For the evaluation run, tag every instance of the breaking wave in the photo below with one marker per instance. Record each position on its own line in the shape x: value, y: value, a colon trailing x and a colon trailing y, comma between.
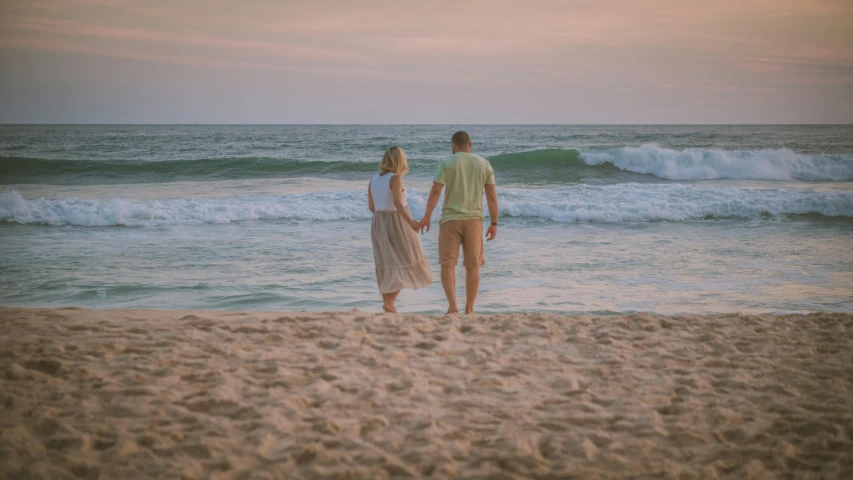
x: 627, y: 202
x: 552, y: 166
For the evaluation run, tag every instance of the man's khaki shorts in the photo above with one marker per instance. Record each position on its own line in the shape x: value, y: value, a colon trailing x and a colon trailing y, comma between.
x: 468, y: 234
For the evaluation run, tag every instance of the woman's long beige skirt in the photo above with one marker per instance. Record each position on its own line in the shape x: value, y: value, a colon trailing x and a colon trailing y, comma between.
x: 398, y: 253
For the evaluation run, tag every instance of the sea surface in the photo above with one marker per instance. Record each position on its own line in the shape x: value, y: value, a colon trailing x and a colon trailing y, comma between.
x: 594, y: 219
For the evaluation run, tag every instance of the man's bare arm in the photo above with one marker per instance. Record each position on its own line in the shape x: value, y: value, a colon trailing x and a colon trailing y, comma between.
x: 492, y: 200
x: 434, y: 195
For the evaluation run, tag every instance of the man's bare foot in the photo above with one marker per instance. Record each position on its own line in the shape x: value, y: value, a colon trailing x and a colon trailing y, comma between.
x: 452, y: 310
x: 388, y: 309
x: 469, y: 311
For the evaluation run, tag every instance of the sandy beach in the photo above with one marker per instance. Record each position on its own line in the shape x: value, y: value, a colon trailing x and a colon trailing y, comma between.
x: 201, y: 394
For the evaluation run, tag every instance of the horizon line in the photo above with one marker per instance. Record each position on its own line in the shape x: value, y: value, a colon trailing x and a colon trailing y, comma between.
x: 421, y: 124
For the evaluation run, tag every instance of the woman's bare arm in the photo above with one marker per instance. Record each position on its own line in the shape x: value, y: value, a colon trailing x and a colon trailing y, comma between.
x: 397, y: 194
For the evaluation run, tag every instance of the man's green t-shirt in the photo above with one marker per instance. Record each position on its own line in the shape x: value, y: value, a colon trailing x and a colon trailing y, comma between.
x: 464, y: 176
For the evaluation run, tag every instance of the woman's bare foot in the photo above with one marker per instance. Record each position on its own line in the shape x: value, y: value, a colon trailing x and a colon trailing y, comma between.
x: 452, y: 310
x: 388, y: 301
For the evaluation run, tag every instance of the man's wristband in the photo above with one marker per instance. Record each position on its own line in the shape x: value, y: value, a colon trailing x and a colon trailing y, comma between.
x: 494, y: 224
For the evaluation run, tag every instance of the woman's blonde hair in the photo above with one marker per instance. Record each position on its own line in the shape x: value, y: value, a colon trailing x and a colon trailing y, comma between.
x: 394, y: 161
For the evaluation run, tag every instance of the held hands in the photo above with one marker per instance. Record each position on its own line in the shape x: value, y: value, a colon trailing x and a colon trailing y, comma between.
x: 415, y: 225
x: 491, y: 233
x: 424, y: 224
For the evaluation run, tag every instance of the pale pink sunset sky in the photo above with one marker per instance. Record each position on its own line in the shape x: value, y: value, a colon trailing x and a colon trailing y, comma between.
x: 372, y: 61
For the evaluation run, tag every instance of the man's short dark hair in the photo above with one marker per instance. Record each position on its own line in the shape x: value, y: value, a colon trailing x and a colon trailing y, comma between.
x: 460, y: 139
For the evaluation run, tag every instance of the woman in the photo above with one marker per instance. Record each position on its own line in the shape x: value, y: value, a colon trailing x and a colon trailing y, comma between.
x: 397, y: 250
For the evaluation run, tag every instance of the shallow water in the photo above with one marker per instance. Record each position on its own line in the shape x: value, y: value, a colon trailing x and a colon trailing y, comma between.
x: 594, y: 219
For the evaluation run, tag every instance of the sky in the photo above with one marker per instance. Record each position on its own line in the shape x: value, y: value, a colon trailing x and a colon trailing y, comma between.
x: 414, y: 62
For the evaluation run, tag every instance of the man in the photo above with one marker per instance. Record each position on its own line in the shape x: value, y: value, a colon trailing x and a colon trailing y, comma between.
x: 466, y: 176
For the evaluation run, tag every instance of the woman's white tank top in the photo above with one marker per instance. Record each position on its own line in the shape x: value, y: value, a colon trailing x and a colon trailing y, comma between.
x: 380, y: 188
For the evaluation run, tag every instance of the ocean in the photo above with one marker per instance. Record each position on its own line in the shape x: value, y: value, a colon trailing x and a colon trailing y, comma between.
x: 594, y: 219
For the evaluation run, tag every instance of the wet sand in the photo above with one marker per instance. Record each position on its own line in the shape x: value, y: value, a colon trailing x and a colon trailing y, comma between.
x: 198, y: 394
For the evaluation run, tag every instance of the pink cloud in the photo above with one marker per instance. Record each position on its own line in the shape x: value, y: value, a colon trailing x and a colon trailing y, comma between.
x: 656, y: 39
x: 327, y: 71
x: 250, y: 47
x: 828, y: 79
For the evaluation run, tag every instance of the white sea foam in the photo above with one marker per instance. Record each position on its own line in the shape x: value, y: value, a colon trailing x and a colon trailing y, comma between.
x: 704, y: 164
x: 632, y: 202
x: 325, y: 206
x: 627, y: 202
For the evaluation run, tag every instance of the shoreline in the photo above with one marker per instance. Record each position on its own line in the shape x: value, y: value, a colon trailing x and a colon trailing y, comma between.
x: 435, y: 315
x: 191, y: 393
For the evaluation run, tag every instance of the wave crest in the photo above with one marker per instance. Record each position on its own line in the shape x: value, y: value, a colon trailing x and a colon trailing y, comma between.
x: 705, y: 164
x: 38, y: 170
x: 551, y: 166
x: 629, y: 202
